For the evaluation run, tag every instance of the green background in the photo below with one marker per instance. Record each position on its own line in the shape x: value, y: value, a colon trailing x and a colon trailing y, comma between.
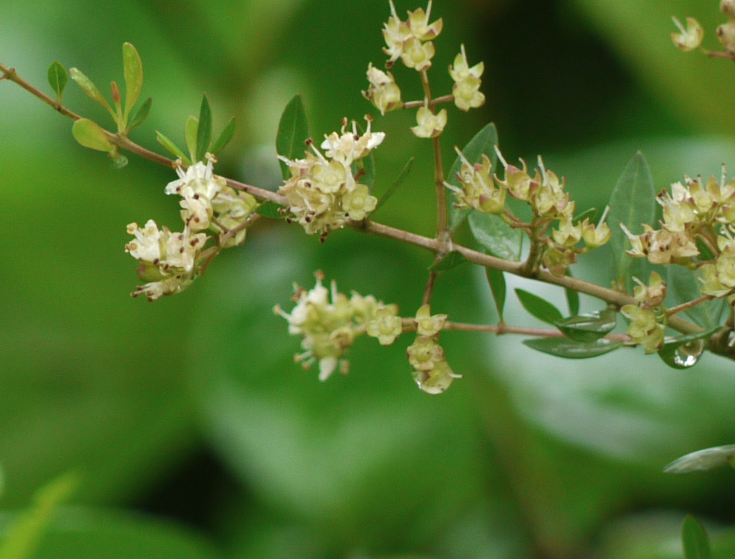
x: 191, y: 410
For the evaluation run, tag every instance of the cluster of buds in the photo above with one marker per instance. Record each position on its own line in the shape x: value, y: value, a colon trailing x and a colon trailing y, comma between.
x: 169, y: 261
x: 693, y: 211
x: 383, y: 92
x: 430, y: 368
x: 323, y: 193
x: 545, y: 194
x: 690, y: 38
x: 647, y: 316
x: 329, y: 322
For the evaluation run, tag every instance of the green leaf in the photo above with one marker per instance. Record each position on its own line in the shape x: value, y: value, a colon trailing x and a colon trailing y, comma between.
x: 58, y: 77
x: 538, y: 307
x: 686, y: 287
x: 91, y: 533
x: 484, y: 142
x: 572, y: 297
x: 450, y: 260
x: 133, y: 68
x: 293, y: 131
x: 684, y: 352
x: 141, y: 114
x: 571, y: 349
x: 589, y: 213
x: 271, y: 210
x: 204, y: 130
x: 496, y: 279
x: 91, y: 135
x: 396, y: 183
x: 496, y: 236
x: 632, y: 203
x: 694, y: 539
x: 191, y: 133
x: 90, y: 89
x: 26, y: 531
x: 588, y: 327
x: 702, y: 460
x: 225, y: 136
x: 172, y: 148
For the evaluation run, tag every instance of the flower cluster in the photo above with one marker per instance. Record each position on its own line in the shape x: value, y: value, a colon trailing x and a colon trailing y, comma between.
x: 169, y: 261
x: 322, y: 193
x: 430, y: 368
x: 544, y: 193
x: 467, y: 83
x: 383, y: 91
x: 329, y: 322
x: 690, y: 38
x: 647, y: 325
x: 411, y: 40
x: 694, y: 212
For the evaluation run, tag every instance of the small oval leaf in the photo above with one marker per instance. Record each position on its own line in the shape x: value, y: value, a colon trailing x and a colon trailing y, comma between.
x: 293, y: 131
x: 499, y: 288
x: 225, y: 136
x: 538, y: 307
x: 58, y: 77
x: 172, y: 148
x: 204, y: 130
x: 91, y: 135
x: 694, y: 539
x: 90, y: 89
x: 702, y: 460
x: 141, y: 114
x: 496, y: 236
x: 588, y: 327
x: 191, y: 128
x: 133, y: 69
x: 571, y: 349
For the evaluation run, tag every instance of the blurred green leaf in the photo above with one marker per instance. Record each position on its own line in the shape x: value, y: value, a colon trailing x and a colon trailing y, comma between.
x: 141, y: 114
x: 88, y: 533
x: 571, y: 349
x: 588, y: 327
x: 632, y: 203
x: 191, y: 134
x: 27, y: 530
x: 90, y: 89
x: 293, y: 131
x: 572, y: 297
x: 172, y: 148
x: 204, y: 130
x: 496, y: 236
x: 702, y: 460
x: 225, y: 136
x: 450, y: 260
x: 496, y: 279
x: 684, y: 351
x: 133, y: 69
x: 483, y: 142
x: 538, y: 307
x: 57, y: 79
x: 396, y: 183
x: 686, y: 287
x: 587, y: 214
x: 694, y: 539
x: 91, y: 135
x: 271, y: 210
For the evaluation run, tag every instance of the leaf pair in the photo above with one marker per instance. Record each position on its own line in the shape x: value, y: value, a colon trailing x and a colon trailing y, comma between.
x: 198, y: 136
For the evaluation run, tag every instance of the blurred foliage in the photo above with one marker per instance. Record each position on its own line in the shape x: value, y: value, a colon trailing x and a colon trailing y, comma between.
x: 527, y: 456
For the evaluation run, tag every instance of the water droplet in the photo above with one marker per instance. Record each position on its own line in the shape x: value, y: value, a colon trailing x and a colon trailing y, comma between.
x: 687, y: 355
